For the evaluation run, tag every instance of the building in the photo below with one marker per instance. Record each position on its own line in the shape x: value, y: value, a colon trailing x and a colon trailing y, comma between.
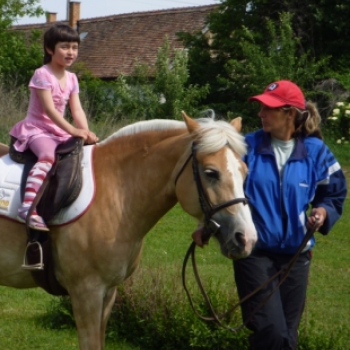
x: 111, y: 45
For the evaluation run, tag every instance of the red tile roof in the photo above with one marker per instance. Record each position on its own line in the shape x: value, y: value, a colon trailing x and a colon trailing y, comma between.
x: 113, y: 43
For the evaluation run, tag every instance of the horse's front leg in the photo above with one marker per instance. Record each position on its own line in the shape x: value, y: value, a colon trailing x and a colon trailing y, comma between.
x: 108, y: 303
x: 87, y: 306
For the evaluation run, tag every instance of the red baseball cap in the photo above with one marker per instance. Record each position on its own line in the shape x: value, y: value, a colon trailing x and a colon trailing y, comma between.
x: 281, y: 93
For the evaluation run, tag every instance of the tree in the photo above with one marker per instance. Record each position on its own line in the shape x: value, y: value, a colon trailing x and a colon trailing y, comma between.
x: 164, y: 95
x: 245, y: 32
x: 19, y: 54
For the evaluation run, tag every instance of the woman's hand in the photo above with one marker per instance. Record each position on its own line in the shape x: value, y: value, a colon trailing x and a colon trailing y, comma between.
x: 316, y: 218
x: 200, y: 237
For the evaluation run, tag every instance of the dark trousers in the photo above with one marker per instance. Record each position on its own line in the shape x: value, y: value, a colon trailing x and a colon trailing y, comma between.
x: 275, y: 325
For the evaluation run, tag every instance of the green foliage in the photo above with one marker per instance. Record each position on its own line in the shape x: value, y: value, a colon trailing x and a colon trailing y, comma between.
x: 166, y: 94
x: 250, y: 59
x: 257, y: 41
x: 277, y: 61
x: 13, y: 108
x: 20, y: 54
x: 149, y: 93
x: 98, y: 96
x: 338, y: 124
x: 11, y: 9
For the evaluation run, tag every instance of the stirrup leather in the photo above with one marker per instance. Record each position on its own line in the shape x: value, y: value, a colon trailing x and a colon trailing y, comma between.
x: 36, y: 266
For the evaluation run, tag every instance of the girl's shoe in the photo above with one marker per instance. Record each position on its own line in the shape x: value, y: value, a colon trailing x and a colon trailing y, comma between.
x: 35, y: 222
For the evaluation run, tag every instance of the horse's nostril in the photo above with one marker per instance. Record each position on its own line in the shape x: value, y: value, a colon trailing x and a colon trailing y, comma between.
x: 240, y: 238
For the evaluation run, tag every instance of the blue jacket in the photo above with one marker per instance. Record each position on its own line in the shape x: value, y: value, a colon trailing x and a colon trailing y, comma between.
x: 311, y: 176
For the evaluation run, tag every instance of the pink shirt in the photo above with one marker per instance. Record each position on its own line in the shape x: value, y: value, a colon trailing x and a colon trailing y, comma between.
x: 37, y: 123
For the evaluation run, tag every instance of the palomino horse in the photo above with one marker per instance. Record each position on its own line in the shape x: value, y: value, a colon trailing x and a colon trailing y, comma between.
x: 141, y: 171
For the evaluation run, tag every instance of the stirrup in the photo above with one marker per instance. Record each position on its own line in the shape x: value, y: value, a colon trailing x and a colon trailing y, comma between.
x: 36, y: 266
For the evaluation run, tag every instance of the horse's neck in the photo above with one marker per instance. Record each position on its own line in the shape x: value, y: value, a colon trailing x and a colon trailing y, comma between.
x: 141, y: 175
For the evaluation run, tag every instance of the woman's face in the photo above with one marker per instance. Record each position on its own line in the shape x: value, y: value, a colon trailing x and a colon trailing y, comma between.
x: 277, y: 121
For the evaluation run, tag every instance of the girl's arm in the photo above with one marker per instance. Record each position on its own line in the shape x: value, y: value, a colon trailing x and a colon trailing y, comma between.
x: 46, y: 100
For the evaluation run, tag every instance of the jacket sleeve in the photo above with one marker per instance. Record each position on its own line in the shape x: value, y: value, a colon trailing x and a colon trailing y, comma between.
x: 331, y: 190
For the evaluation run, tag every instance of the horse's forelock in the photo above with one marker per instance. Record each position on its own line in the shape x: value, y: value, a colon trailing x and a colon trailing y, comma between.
x: 214, y: 135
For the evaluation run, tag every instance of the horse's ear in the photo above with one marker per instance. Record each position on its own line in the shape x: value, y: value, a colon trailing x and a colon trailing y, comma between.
x: 191, y: 124
x: 237, y: 123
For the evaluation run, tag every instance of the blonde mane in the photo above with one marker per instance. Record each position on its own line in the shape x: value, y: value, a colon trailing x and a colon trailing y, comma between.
x: 211, y: 136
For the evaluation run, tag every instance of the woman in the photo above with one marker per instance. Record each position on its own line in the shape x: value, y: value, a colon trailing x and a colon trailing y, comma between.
x: 290, y: 169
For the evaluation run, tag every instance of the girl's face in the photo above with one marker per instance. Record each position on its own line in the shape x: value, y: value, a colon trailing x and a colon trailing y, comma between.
x: 65, y: 53
x: 276, y: 121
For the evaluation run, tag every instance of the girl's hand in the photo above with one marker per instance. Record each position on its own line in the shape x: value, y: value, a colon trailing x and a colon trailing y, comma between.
x: 92, y: 138
x: 80, y: 133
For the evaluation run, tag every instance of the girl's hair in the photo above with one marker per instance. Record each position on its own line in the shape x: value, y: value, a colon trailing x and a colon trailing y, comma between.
x: 59, y: 32
x: 307, y: 122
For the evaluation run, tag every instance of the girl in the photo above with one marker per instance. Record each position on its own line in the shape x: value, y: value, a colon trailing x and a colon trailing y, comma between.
x: 44, y: 127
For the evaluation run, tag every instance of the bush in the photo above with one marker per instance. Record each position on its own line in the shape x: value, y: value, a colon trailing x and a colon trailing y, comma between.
x: 164, y: 95
x: 13, y: 107
x: 338, y: 124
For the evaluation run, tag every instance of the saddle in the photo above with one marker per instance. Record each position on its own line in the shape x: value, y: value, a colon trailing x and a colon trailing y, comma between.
x: 64, y: 180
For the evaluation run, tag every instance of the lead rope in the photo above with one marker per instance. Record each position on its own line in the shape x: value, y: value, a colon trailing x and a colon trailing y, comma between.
x: 217, y: 318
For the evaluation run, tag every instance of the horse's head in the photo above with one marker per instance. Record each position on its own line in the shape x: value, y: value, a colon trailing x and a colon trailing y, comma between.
x: 217, y: 198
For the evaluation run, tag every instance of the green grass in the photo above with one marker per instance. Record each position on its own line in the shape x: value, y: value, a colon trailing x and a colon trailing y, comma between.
x: 24, y: 324
x: 21, y: 326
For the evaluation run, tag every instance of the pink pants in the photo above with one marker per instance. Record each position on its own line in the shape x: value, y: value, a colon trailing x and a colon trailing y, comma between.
x: 44, y: 148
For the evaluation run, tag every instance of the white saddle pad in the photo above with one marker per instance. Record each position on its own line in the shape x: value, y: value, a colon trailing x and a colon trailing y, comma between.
x: 10, y: 183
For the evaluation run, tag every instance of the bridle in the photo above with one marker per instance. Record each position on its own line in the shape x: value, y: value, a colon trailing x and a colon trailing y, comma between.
x: 211, y: 227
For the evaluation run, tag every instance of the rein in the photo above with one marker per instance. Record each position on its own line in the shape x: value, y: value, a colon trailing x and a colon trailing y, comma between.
x: 217, y: 318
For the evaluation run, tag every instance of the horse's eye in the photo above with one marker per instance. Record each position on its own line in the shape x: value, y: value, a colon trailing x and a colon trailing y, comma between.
x: 212, y: 174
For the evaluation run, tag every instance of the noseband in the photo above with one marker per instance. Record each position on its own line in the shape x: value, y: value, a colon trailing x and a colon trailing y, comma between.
x: 210, y: 225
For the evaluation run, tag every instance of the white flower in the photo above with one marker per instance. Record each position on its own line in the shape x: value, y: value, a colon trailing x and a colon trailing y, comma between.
x: 347, y: 112
x: 334, y: 118
x: 338, y: 141
x: 343, y: 138
x: 336, y: 111
x: 162, y: 99
x: 339, y: 104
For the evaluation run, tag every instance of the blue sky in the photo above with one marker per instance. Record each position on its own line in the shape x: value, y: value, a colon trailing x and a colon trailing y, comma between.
x: 99, y: 8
